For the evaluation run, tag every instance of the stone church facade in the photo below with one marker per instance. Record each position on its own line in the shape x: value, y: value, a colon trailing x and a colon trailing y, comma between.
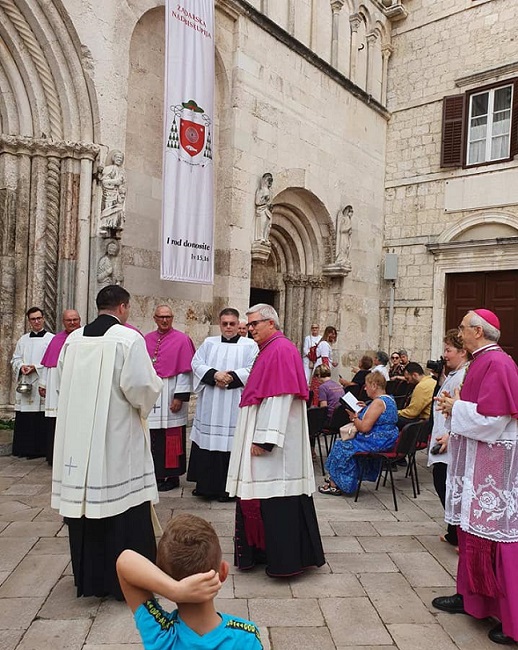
x: 340, y: 101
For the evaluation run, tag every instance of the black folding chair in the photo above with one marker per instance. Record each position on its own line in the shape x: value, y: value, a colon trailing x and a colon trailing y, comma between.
x: 422, y: 442
x: 404, y: 448
x: 331, y: 430
x: 317, y: 417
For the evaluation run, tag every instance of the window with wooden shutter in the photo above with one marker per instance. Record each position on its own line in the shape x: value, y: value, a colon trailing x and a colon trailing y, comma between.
x: 514, y: 121
x: 452, y: 131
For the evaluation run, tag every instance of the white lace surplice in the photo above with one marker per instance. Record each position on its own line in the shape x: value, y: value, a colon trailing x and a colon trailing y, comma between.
x: 482, y: 482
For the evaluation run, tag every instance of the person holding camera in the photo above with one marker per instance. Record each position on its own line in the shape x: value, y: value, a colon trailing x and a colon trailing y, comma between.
x: 455, y: 363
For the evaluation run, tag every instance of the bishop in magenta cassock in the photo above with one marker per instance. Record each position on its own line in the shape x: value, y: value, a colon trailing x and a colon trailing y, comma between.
x: 482, y: 480
x: 48, y: 388
x: 271, y: 469
x: 171, y: 353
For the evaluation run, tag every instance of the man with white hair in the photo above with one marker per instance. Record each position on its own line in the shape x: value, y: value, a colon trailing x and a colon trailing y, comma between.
x: 271, y: 470
x: 482, y: 481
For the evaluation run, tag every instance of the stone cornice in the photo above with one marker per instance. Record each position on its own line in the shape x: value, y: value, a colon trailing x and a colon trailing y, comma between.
x: 474, y: 245
x: 20, y: 145
x: 243, y: 8
x: 488, y: 75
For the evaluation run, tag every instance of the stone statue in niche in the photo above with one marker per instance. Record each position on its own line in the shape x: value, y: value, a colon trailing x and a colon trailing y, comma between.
x: 113, y: 185
x: 263, y: 209
x: 109, y: 269
x: 344, y: 229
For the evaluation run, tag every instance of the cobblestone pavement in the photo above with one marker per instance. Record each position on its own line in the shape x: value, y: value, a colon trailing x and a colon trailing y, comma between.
x: 383, y: 569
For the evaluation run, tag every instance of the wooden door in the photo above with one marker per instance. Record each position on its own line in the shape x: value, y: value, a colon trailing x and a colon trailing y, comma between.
x: 496, y: 290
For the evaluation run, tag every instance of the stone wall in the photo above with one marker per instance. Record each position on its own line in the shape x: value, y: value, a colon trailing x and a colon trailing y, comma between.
x: 442, y: 48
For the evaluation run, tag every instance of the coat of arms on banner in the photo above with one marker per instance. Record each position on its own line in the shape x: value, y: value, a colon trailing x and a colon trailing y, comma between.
x: 190, y: 133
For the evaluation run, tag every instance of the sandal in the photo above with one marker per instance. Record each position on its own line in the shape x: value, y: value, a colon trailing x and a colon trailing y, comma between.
x: 330, y: 489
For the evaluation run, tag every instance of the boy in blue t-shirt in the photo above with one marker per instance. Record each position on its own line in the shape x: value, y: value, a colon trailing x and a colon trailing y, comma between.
x: 188, y: 563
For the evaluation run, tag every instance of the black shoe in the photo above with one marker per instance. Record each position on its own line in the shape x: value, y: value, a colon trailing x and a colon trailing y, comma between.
x: 402, y: 462
x: 164, y: 485
x: 451, y: 604
x: 196, y: 493
x: 497, y: 636
x: 225, y: 498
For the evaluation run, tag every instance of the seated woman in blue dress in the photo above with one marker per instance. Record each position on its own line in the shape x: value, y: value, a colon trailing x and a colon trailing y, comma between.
x: 373, y: 429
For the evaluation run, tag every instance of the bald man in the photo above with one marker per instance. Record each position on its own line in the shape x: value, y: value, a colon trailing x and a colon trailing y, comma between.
x: 47, y: 388
x: 171, y: 353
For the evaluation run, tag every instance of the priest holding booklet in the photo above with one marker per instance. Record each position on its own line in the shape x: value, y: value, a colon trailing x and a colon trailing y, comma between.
x: 373, y: 428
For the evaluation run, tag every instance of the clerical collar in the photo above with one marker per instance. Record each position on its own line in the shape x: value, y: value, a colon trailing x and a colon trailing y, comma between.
x: 37, y: 335
x: 486, y: 348
x: 234, y: 339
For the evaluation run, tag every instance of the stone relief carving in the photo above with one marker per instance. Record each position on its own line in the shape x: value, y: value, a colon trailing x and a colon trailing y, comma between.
x: 113, y: 185
x: 263, y: 209
x: 109, y: 269
x: 22, y: 144
x: 261, y: 246
x: 344, y: 228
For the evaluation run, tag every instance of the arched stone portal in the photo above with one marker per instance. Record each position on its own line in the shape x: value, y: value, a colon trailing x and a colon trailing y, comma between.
x: 48, y: 117
x: 302, y: 242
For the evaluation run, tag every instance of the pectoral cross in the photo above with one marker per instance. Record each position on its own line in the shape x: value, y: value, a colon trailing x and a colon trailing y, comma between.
x: 70, y: 466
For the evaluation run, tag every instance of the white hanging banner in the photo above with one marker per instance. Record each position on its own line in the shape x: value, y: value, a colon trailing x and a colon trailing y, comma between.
x: 188, y: 179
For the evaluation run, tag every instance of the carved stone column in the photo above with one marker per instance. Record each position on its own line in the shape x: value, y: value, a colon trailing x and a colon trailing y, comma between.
x: 371, y: 42
x: 386, y: 51
x: 355, y: 21
x: 291, y: 17
x: 336, y: 6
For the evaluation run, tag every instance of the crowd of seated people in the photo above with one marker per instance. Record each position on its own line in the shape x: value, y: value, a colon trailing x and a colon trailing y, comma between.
x: 372, y: 429
x: 412, y: 388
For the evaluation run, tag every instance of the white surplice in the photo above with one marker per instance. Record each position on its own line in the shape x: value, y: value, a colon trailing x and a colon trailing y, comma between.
x: 285, y: 471
x: 29, y: 351
x: 49, y: 381
x: 161, y: 416
x: 102, y: 456
x: 309, y: 342
x: 217, y: 408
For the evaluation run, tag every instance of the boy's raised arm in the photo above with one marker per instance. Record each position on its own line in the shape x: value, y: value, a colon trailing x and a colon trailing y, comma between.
x: 140, y: 579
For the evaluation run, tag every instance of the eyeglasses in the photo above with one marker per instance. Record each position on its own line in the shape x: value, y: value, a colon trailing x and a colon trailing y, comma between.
x: 253, y: 324
x: 394, y: 357
x: 36, y: 318
x: 164, y: 317
x: 461, y: 328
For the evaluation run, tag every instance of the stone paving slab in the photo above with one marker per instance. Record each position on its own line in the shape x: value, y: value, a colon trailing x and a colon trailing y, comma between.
x: 282, y: 612
x: 394, y: 599
x: 424, y: 637
x: 36, y: 575
x: 12, y: 551
x: 296, y: 638
x: 354, y: 621
x: 374, y: 592
x: 63, y: 604
x: 55, y: 635
x: 18, y: 613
